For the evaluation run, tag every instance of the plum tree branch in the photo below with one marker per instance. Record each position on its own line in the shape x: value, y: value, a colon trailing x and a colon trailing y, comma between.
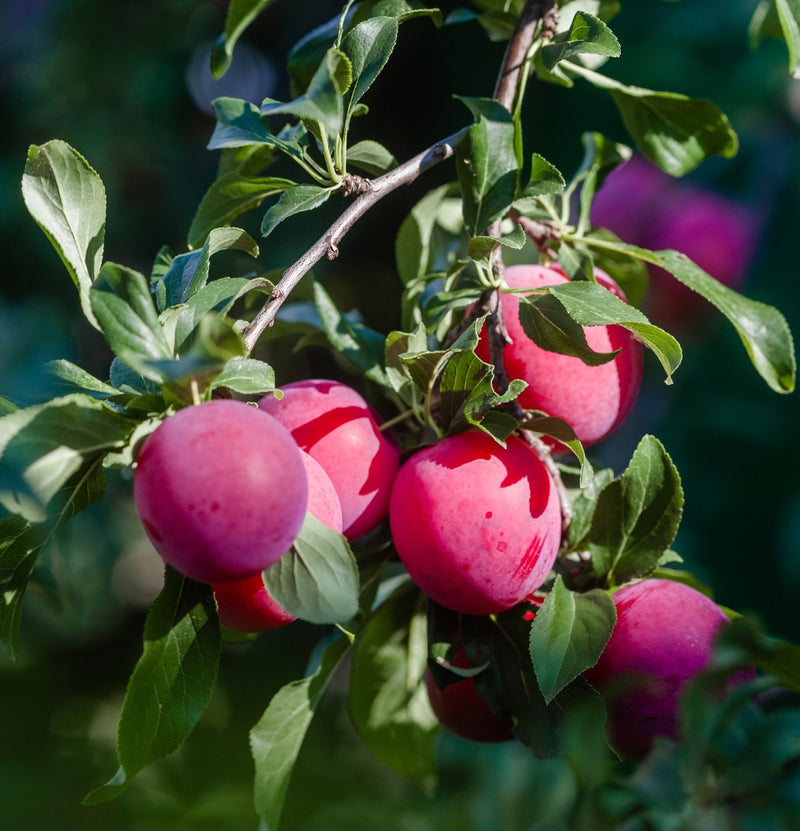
x: 369, y: 192
x: 328, y: 244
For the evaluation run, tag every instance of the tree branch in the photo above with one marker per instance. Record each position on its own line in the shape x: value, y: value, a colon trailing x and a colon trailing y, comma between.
x: 328, y: 244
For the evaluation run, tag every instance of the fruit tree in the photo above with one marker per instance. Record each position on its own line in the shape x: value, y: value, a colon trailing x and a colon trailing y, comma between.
x: 436, y: 503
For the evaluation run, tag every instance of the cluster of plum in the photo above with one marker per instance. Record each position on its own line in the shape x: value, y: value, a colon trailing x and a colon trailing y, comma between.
x: 222, y: 489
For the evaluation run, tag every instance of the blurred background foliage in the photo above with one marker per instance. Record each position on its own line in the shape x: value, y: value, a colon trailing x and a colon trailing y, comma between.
x: 127, y: 85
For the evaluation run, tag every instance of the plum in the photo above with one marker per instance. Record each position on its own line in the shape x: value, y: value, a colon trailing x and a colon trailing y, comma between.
x: 221, y: 490
x: 335, y: 425
x: 477, y: 525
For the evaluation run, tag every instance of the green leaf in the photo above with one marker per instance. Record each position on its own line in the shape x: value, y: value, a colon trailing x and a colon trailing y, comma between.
x: 590, y: 304
x: 217, y: 296
x: 368, y: 45
x: 548, y: 324
x: 637, y: 515
x: 189, y: 272
x: 293, y: 201
x: 789, y: 16
x: 568, y: 634
x: 763, y: 330
x: 361, y: 346
x: 371, y: 157
x: 387, y: 697
x: 67, y: 199
x: 239, y: 124
x: 213, y: 343
x: 123, y: 305
x: 545, y: 180
x: 480, y: 248
x: 276, y: 739
x: 241, y: 13
x: 44, y: 446
x: 584, y: 501
x: 402, y: 10
x: 172, y: 683
x: 398, y: 344
x: 586, y: 35
x: 21, y: 543
x: 317, y: 579
x: 231, y: 195
x: 600, y: 157
x: 322, y: 101
x: 487, y: 165
x: 413, y: 245
x: 77, y: 377
x: 247, y: 376
x: 674, y: 131
x: 774, y: 656
x: 561, y: 431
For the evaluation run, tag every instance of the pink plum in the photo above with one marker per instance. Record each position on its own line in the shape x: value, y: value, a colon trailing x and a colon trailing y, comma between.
x: 335, y: 425
x: 476, y: 525
x: 460, y: 708
x: 221, y: 490
x: 593, y: 400
x: 246, y: 605
x: 664, y: 636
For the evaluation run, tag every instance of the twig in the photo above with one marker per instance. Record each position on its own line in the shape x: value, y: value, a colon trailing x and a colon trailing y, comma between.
x: 328, y: 244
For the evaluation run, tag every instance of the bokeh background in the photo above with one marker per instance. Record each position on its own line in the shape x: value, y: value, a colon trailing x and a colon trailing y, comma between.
x: 127, y: 85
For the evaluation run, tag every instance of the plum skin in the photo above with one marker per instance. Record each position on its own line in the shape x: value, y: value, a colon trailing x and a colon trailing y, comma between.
x: 246, y: 605
x: 335, y: 425
x: 663, y: 637
x: 593, y: 400
x: 460, y: 708
x: 476, y: 525
x: 221, y: 490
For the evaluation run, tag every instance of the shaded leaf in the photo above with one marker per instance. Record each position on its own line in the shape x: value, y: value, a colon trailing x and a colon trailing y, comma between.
x: 44, y: 446
x: 171, y: 685
x: 276, y: 739
x: 387, y: 697
x: 361, y: 346
x: 241, y: 13
x: 21, y: 542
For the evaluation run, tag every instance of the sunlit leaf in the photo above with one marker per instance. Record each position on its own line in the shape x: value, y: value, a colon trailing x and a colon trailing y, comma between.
x: 67, y: 199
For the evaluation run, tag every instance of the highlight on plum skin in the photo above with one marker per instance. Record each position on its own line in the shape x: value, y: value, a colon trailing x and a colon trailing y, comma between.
x: 221, y: 490
x: 663, y: 637
x: 334, y: 424
x: 593, y: 400
x: 476, y: 525
x: 246, y: 605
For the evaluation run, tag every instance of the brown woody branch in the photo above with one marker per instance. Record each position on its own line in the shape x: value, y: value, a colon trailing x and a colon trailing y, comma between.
x: 328, y: 244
